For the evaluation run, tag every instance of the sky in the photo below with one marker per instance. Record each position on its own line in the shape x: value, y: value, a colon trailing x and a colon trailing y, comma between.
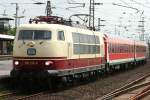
x: 121, y: 19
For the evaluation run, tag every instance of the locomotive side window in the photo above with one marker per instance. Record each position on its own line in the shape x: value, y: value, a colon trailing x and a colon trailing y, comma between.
x: 97, y: 49
x: 85, y: 44
x: 61, y: 35
x: 97, y: 40
x: 92, y: 39
x: 34, y: 35
x: 76, y: 49
x: 82, y: 40
x: 75, y: 37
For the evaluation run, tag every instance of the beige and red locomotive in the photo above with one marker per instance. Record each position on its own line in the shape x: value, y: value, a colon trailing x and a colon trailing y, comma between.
x: 59, y: 49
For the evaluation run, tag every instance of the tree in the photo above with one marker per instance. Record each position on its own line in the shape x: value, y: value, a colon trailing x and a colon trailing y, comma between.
x: 12, y: 31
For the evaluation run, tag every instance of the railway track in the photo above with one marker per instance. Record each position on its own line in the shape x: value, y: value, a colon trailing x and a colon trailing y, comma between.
x: 91, y: 90
x: 44, y: 95
x: 141, y: 94
x: 129, y: 87
x: 132, y: 86
x: 56, y: 96
x: 7, y: 94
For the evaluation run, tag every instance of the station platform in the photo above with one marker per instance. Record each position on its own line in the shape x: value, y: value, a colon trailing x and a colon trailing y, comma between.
x: 5, y: 57
x: 5, y: 67
x: 4, y: 73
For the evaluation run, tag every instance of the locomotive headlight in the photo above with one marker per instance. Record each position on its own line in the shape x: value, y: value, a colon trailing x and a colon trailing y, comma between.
x: 16, y: 62
x: 47, y: 63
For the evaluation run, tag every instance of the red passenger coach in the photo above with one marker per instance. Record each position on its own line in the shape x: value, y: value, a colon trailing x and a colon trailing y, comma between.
x: 141, y: 50
x: 120, y: 50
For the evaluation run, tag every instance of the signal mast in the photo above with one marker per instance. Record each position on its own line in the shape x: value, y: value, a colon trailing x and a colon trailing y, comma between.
x: 91, y: 15
x: 48, y: 8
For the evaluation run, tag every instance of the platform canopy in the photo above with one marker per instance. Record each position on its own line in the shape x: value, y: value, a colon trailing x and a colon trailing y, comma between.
x: 6, y: 18
x: 6, y: 37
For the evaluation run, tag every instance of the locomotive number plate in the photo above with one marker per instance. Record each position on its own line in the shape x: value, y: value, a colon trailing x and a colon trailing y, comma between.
x: 31, y: 51
x: 31, y: 62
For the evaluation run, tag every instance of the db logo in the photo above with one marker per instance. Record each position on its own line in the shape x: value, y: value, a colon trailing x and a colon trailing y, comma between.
x: 31, y: 44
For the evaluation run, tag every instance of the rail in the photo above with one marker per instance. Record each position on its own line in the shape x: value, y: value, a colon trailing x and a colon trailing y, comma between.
x: 126, y: 88
x: 7, y: 94
x: 141, y: 94
x: 40, y: 95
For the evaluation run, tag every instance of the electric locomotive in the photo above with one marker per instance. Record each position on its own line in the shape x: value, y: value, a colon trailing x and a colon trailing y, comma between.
x: 56, y: 50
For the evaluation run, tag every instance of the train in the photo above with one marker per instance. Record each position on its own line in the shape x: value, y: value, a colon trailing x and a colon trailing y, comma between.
x: 53, y: 51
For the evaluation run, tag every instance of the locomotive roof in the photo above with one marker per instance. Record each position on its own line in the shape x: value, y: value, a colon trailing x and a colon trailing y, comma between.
x: 39, y: 26
x: 118, y: 39
x: 50, y: 26
x: 45, y: 25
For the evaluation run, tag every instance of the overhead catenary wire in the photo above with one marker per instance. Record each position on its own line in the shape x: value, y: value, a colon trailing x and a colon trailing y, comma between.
x: 126, y: 7
x: 125, y: 3
x: 75, y: 3
x: 141, y: 4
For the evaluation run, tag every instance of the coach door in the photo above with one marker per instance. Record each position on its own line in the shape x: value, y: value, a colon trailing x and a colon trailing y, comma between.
x: 69, y: 49
x: 62, y: 43
x: 105, y: 44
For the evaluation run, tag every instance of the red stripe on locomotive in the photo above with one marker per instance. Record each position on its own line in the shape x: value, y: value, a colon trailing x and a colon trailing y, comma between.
x: 59, y: 64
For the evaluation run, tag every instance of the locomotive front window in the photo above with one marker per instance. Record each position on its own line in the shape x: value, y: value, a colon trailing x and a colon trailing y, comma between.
x: 25, y: 35
x: 42, y: 35
x: 34, y: 35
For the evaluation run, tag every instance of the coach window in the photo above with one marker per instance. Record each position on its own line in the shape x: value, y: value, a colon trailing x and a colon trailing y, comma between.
x: 113, y: 48
x: 132, y: 48
x: 129, y: 49
x: 109, y: 48
x: 61, y: 35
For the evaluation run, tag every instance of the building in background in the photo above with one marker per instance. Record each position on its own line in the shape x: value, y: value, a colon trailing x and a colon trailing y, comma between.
x: 6, y: 40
